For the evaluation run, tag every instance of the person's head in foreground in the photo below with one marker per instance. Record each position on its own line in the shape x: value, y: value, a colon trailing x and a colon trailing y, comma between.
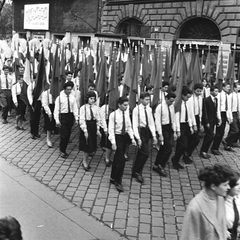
x: 10, y: 229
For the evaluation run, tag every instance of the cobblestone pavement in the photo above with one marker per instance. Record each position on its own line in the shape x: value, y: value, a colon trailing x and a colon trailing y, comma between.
x: 151, y: 211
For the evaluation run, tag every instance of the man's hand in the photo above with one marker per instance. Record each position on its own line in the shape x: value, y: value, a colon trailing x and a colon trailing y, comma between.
x: 155, y: 141
x: 58, y: 125
x: 86, y: 135
x: 114, y: 147
x: 16, y: 104
x: 208, y: 125
x: 191, y: 130
x: 76, y: 122
x: 202, y: 128
x: 139, y: 142
x: 50, y: 116
x: 134, y: 142
x: 219, y: 122
x: 195, y: 128
x: 178, y: 134
x: 175, y: 137
x: 98, y: 133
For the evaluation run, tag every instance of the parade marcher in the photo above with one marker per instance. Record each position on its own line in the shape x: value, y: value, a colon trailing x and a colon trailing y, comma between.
x: 18, y: 102
x: 234, y: 111
x: 166, y: 129
x: 105, y: 143
x: 232, y: 205
x: 224, y: 101
x: 35, y: 112
x: 184, y: 128
x: 92, y: 87
x: 206, y: 89
x: 48, y: 111
x: 210, y: 118
x: 5, y: 87
x: 205, y: 216
x: 196, y: 102
x: 119, y: 128
x: 65, y: 113
x: 143, y: 129
x: 89, y: 128
x: 149, y: 89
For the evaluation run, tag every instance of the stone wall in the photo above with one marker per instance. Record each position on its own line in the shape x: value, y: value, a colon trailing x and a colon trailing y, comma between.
x: 171, y: 15
x: 62, y: 15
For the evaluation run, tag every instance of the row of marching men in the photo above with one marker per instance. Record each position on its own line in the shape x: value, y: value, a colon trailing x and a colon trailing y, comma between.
x: 117, y: 131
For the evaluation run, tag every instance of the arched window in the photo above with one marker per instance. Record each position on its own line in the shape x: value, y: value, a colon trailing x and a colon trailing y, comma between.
x: 200, y: 28
x: 132, y: 27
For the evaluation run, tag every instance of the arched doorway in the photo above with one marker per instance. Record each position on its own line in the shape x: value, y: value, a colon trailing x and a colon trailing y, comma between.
x: 199, y: 35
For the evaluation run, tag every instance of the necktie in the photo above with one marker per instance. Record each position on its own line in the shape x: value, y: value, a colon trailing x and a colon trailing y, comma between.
x: 204, y: 92
x: 123, y: 124
x: 6, y: 82
x: 215, y: 102
x: 236, y: 220
x: 169, y: 115
x: 69, y: 110
x: 146, y: 116
x: 186, y: 112
x: 91, y: 112
x: 226, y: 103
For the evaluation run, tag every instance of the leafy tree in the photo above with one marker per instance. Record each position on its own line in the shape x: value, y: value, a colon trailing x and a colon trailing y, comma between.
x: 6, y: 19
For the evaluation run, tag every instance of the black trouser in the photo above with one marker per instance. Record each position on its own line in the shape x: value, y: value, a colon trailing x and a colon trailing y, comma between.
x: 182, y: 142
x: 119, y: 159
x: 6, y: 109
x: 165, y: 150
x: 233, y: 131
x: 220, y: 132
x: 66, y: 120
x: 194, y: 138
x: 208, y: 138
x: 143, y: 152
x: 35, y: 118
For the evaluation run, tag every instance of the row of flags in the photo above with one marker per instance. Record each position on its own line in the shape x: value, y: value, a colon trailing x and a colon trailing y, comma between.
x: 152, y: 63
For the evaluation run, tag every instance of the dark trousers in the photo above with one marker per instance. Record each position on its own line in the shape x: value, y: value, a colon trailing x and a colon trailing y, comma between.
x: 143, y: 152
x: 194, y: 138
x: 35, y: 118
x: 119, y: 159
x: 165, y: 150
x: 182, y: 142
x: 66, y: 120
x: 233, y: 131
x: 208, y: 138
x: 220, y: 132
x: 6, y: 109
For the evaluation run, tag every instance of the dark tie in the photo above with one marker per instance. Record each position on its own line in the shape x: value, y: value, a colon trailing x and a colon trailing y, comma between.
x: 236, y: 220
x: 215, y: 102
x: 204, y: 92
x: 69, y: 110
x: 7, y: 86
x: 226, y: 103
x: 123, y: 124
x: 186, y: 112
x: 146, y: 116
x: 169, y: 115
x: 91, y: 112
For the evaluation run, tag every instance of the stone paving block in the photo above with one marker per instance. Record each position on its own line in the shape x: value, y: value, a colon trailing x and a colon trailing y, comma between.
x: 132, y: 231
x: 143, y: 236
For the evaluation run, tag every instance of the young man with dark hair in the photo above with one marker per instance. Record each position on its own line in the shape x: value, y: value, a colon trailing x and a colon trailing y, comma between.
x: 65, y: 112
x: 184, y: 128
x: 196, y: 102
x: 143, y: 128
x: 210, y: 118
x: 119, y: 126
x: 234, y: 126
x: 166, y: 129
x: 225, y: 109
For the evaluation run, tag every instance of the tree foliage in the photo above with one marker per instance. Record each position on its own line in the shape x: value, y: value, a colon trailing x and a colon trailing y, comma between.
x: 6, y: 19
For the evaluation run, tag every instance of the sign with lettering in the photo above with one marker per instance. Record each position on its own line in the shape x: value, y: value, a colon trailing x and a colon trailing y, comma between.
x: 36, y: 16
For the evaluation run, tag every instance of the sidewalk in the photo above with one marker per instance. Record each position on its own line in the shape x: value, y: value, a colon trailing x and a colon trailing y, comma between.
x: 42, y: 213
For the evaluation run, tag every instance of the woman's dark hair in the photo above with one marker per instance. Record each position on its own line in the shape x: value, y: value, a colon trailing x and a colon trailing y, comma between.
x: 10, y: 229
x: 89, y: 95
x: 233, y: 180
x: 215, y: 174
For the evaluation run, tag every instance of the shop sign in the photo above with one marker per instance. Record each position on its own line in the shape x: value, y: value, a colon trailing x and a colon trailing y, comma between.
x: 36, y: 16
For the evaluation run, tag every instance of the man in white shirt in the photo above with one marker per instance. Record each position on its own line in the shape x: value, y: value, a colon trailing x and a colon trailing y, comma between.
x: 184, y: 127
x: 166, y: 129
x: 234, y: 128
x: 119, y: 126
x: 5, y: 87
x: 65, y: 113
x: 226, y: 115
x: 196, y: 103
x: 143, y: 128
